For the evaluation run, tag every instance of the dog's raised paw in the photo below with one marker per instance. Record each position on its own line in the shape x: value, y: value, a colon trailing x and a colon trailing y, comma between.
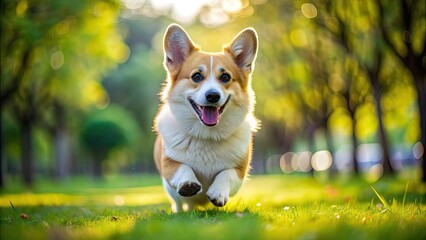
x: 188, y: 189
x: 218, y: 199
x: 218, y: 202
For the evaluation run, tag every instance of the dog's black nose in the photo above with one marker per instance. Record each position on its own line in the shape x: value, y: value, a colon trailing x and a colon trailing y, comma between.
x: 212, y: 96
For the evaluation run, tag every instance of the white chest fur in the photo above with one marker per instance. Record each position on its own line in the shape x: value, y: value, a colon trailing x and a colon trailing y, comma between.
x: 206, y: 157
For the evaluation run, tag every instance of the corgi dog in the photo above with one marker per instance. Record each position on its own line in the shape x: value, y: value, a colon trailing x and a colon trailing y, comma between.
x: 205, y: 122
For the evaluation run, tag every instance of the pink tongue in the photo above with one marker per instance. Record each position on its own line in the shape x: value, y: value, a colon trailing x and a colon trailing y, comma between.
x: 210, y: 115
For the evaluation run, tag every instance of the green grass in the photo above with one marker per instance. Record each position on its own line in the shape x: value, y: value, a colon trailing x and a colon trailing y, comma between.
x: 267, y: 207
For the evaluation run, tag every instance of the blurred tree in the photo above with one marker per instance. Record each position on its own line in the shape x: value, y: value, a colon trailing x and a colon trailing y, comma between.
x: 100, y: 137
x: 136, y: 84
x: 349, y: 34
x: 330, y: 19
x: 46, y: 46
x: 386, y: 25
x: 106, y: 130
x: 402, y: 27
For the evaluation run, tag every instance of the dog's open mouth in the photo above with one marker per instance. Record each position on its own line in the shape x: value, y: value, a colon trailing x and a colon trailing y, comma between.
x: 209, y: 115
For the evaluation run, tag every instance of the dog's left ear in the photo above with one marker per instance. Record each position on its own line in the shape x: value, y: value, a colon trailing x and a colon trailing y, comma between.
x: 244, y: 49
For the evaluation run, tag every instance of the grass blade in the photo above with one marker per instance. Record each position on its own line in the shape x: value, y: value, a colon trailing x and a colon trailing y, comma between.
x: 382, y: 199
x: 405, y: 194
x: 14, y: 209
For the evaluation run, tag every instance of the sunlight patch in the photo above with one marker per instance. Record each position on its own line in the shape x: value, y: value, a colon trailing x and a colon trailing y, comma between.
x: 118, y: 200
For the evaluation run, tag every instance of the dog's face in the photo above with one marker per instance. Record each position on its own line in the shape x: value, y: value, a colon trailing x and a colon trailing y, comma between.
x: 209, y: 93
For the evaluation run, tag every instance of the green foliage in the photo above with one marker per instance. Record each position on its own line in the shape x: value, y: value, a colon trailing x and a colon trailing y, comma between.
x: 109, y: 129
x: 54, y: 54
x: 63, y: 40
x: 102, y: 136
x: 135, y: 85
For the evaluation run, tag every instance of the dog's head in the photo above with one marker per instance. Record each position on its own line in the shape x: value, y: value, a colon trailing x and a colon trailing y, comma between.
x: 209, y: 92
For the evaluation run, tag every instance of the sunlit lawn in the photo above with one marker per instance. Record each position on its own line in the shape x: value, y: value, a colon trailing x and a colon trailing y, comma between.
x: 268, y: 207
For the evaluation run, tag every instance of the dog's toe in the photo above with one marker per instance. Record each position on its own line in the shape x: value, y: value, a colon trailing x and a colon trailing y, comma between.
x: 189, y: 189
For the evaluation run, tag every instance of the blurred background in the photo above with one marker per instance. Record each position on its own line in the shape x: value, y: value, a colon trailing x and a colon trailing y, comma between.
x: 340, y: 85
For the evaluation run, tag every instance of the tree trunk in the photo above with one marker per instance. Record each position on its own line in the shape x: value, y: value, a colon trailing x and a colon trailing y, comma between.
x: 374, y: 79
x: 61, y: 144
x: 281, y: 137
x: 329, y: 144
x: 387, y: 167
x: 3, y: 160
x: 421, y: 101
x: 351, y: 109
x: 61, y: 147
x: 311, y: 129
x: 98, y: 158
x: 27, y: 151
x: 354, y: 143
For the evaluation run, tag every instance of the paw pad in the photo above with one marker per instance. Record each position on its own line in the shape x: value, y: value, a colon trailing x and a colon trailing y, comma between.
x: 189, y: 189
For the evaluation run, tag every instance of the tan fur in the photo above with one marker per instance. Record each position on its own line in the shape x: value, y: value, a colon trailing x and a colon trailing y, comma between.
x: 158, y: 152
x: 244, y: 168
x: 166, y: 166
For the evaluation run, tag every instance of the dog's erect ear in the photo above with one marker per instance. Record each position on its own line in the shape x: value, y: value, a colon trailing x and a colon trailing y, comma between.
x: 177, y: 46
x: 244, y: 49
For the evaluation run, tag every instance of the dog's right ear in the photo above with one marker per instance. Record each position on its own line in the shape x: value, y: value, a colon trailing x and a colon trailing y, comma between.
x: 177, y: 47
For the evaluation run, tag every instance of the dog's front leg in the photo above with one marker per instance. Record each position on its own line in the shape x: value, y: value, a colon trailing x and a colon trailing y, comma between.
x: 226, y: 183
x: 181, y: 178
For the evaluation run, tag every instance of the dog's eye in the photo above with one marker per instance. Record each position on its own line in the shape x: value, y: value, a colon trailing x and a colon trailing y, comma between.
x: 197, y: 77
x: 225, y: 77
